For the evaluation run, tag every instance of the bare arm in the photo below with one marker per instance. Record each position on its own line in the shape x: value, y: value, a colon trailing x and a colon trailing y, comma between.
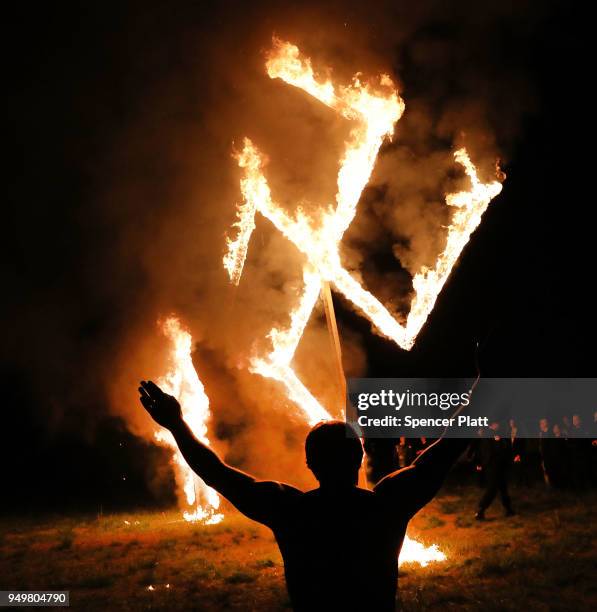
x: 206, y: 464
x: 416, y: 485
x: 259, y: 500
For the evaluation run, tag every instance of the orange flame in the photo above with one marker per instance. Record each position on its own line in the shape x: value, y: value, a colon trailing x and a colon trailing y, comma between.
x: 182, y: 382
x: 375, y: 112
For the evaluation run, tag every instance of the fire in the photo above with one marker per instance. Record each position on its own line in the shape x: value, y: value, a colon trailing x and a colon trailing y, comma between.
x: 277, y: 364
x: 469, y: 207
x: 182, y: 382
x: 374, y: 109
x: 415, y: 552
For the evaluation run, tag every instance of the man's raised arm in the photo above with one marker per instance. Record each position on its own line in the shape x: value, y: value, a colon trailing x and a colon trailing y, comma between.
x: 416, y: 485
x: 259, y: 500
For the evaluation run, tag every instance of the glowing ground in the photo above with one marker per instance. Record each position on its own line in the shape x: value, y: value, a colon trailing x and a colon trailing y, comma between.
x: 543, y: 559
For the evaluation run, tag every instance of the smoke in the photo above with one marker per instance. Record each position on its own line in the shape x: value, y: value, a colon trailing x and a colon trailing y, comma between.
x: 162, y: 98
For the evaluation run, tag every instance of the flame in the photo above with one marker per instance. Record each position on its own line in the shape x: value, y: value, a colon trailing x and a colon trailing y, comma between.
x: 284, y: 61
x: 374, y: 111
x: 277, y: 364
x: 182, y: 381
x: 469, y: 207
x: 415, y: 552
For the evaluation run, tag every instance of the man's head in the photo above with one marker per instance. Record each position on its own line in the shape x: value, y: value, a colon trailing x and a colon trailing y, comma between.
x: 334, y: 453
x: 576, y: 420
x: 544, y: 425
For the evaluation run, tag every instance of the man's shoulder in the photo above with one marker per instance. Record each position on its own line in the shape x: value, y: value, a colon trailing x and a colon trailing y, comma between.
x: 389, y: 485
x: 275, y: 487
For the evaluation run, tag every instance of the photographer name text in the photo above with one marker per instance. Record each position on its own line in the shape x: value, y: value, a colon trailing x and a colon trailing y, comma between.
x: 413, y: 422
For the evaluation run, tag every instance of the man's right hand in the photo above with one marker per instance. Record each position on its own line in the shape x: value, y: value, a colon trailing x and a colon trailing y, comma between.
x: 163, y: 408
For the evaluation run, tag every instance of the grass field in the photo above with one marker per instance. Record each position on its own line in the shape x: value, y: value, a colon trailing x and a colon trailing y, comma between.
x: 542, y: 559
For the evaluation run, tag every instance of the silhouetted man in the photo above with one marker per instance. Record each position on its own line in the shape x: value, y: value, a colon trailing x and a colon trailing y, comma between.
x: 494, y: 453
x: 549, y: 451
x: 519, y: 455
x: 382, y: 458
x: 555, y: 457
x: 580, y: 453
x: 340, y: 543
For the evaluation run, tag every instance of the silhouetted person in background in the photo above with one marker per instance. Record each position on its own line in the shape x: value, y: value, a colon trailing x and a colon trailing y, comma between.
x: 554, y: 450
x: 494, y: 453
x: 577, y: 426
x: 420, y: 445
x: 566, y: 426
x: 406, y: 451
x: 382, y: 458
x: 474, y: 456
x: 519, y: 455
x: 580, y: 453
x: 545, y: 448
x: 340, y: 543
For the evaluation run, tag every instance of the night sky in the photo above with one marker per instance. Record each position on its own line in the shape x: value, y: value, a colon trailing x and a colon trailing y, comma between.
x: 79, y: 77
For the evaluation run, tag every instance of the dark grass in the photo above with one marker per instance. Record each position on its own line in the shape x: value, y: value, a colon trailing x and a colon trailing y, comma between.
x: 542, y: 559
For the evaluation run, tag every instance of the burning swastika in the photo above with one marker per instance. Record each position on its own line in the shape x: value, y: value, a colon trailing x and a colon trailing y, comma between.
x: 374, y: 111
